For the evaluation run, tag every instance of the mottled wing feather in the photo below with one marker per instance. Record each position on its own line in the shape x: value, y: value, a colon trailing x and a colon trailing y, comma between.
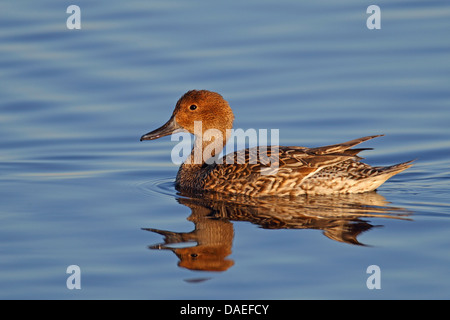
x: 251, y: 170
x: 341, y: 147
x: 299, y: 162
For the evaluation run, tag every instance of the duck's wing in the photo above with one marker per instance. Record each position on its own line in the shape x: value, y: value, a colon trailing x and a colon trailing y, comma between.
x: 342, y: 147
x: 293, y: 157
x: 318, y: 158
x: 255, y: 166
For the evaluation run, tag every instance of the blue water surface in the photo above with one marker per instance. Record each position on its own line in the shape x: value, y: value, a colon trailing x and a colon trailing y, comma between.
x: 77, y: 187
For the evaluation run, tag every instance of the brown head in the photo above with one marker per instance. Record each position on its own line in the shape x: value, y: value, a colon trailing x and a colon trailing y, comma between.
x: 197, y: 105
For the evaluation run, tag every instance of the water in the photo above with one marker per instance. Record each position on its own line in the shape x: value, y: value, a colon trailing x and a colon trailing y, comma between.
x: 78, y: 188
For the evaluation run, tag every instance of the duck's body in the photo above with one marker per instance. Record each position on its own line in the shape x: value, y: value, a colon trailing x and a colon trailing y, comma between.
x: 300, y: 171
x: 324, y: 170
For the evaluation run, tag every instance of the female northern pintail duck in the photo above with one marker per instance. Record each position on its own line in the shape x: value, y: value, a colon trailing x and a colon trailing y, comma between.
x: 299, y: 170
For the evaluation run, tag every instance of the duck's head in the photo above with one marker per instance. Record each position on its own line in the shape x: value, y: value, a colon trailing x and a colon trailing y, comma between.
x: 196, y: 105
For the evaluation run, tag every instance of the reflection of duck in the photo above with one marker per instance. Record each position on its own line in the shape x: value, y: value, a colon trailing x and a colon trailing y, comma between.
x: 209, y: 244
x: 286, y: 171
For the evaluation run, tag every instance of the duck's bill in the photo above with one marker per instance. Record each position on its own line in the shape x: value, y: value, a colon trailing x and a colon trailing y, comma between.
x: 170, y: 127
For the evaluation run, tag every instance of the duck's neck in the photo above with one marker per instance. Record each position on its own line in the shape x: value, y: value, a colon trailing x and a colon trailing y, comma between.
x: 207, y: 148
x: 193, y: 171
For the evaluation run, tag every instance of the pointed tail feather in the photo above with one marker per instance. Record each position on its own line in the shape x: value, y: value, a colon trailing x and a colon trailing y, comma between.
x: 396, y: 168
x: 380, y: 175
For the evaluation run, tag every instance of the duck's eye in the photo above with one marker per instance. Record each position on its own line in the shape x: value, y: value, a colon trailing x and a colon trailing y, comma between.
x: 193, y: 107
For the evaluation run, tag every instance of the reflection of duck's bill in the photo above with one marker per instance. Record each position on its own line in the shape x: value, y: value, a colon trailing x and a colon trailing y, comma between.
x: 161, y: 246
x: 173, y: 240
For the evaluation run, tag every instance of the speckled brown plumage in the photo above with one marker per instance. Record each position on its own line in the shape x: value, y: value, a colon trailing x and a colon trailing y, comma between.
x: 324, y: 170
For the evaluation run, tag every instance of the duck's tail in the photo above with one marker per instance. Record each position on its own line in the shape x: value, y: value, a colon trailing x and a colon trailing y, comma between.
x: 381, y: 175
x: 393, y: 170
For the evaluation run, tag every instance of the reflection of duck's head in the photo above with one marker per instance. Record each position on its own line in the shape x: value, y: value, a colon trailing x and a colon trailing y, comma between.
x: 212, y: 238
x: 205, y: 258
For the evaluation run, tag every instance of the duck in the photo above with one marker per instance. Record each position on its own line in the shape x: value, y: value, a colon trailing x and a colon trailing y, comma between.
x: 294, y: 170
